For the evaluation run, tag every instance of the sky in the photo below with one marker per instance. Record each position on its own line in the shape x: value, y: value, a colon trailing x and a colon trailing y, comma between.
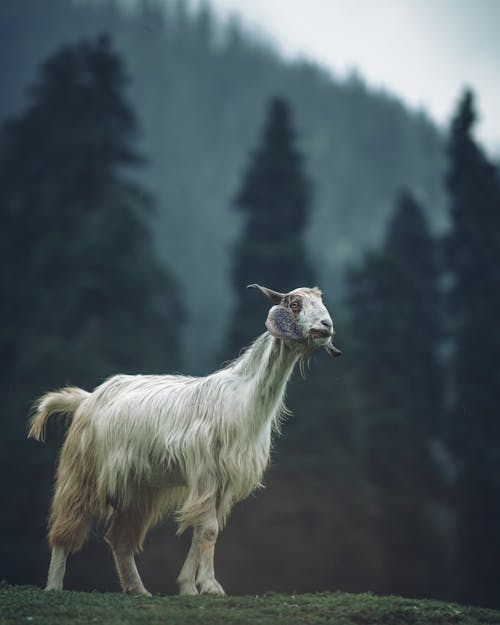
x: 423, y: 51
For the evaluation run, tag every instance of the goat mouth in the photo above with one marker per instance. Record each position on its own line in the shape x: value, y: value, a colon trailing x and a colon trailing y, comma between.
x: 320, y: 334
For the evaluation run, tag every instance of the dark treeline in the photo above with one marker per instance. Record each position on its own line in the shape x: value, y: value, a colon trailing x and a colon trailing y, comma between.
x: 199, y: 88
x: 253, y: 171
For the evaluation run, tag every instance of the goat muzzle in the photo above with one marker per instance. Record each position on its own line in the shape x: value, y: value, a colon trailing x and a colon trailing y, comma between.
x: 319, y: 334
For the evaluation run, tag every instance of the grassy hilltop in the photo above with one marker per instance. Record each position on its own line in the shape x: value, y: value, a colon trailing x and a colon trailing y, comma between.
x: 29, y: 605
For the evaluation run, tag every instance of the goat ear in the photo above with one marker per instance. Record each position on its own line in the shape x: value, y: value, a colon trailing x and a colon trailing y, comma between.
x: 281, y: 323
x: 273, y: 296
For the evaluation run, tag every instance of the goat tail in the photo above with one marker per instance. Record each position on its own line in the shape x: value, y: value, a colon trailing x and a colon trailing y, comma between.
x: 64, y: 402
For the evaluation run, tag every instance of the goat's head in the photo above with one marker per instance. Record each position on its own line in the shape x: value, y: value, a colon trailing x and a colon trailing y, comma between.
x: 300, y: 316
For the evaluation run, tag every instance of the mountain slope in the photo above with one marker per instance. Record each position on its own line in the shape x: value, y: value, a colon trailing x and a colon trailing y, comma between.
x: 200, y: 89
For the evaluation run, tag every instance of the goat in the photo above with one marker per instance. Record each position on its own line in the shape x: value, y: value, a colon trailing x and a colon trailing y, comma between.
x: 141, y: 446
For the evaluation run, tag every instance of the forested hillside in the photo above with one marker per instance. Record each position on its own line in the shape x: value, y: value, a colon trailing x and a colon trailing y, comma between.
x: 155, y: 161
x: 200, y: 89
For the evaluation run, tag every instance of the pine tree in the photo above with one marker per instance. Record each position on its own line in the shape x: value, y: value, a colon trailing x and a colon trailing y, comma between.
x: 76, y: 244
x: 275, y: 201
x: 474, y: 431
x: 394, y: 303
x: 83, y: 294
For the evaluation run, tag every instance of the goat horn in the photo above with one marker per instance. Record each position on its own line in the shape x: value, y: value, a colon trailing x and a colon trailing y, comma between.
x: 273, y: 296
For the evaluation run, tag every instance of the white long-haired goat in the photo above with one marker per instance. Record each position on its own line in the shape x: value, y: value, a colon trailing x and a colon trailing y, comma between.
x: 140, y: 446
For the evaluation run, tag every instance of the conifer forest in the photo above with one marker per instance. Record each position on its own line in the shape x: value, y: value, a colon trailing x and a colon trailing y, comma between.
x: 155, y: 161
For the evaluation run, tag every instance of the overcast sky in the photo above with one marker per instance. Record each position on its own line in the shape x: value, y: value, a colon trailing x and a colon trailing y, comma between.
x: 424, y: 51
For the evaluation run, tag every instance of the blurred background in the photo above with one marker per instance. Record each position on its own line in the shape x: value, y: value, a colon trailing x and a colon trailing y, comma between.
x: 155, y: 157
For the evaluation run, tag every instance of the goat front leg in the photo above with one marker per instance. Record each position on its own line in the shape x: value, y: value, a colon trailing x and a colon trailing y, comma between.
x: 187, y: 576
x: 198, y: 569
x: 205, y: 580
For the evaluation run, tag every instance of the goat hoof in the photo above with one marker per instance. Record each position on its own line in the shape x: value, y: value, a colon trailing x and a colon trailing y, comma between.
x: 138, y: 592
x: 211, y: 587
x: 187, y: 588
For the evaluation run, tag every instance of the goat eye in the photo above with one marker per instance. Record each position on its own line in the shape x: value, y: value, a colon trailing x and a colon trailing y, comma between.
x: 295, y: 306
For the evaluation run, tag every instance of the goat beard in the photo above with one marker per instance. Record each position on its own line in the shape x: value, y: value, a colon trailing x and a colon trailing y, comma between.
x: 331, y: 350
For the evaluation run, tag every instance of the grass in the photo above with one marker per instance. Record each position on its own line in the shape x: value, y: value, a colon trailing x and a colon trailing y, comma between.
x: 26, y: 605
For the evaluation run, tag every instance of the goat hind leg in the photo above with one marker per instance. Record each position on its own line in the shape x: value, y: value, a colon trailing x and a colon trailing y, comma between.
x: 57, y: 568
x: 128, y: 574
x: 123, y: 541
x: 68, y: 528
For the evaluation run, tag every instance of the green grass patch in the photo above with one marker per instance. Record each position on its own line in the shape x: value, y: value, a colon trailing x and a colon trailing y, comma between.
x: 26, y: 605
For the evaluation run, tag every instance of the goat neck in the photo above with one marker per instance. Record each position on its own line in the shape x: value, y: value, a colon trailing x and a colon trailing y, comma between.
x: 266, y: 367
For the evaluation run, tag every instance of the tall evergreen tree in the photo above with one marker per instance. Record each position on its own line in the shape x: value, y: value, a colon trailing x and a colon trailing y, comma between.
x: 76, y: 243
x: 394, y: 302
x: 82, y: 292
x: 395, y: 306
x: 275, y: 201
x: 318, y: 450
x: 474, y: 260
